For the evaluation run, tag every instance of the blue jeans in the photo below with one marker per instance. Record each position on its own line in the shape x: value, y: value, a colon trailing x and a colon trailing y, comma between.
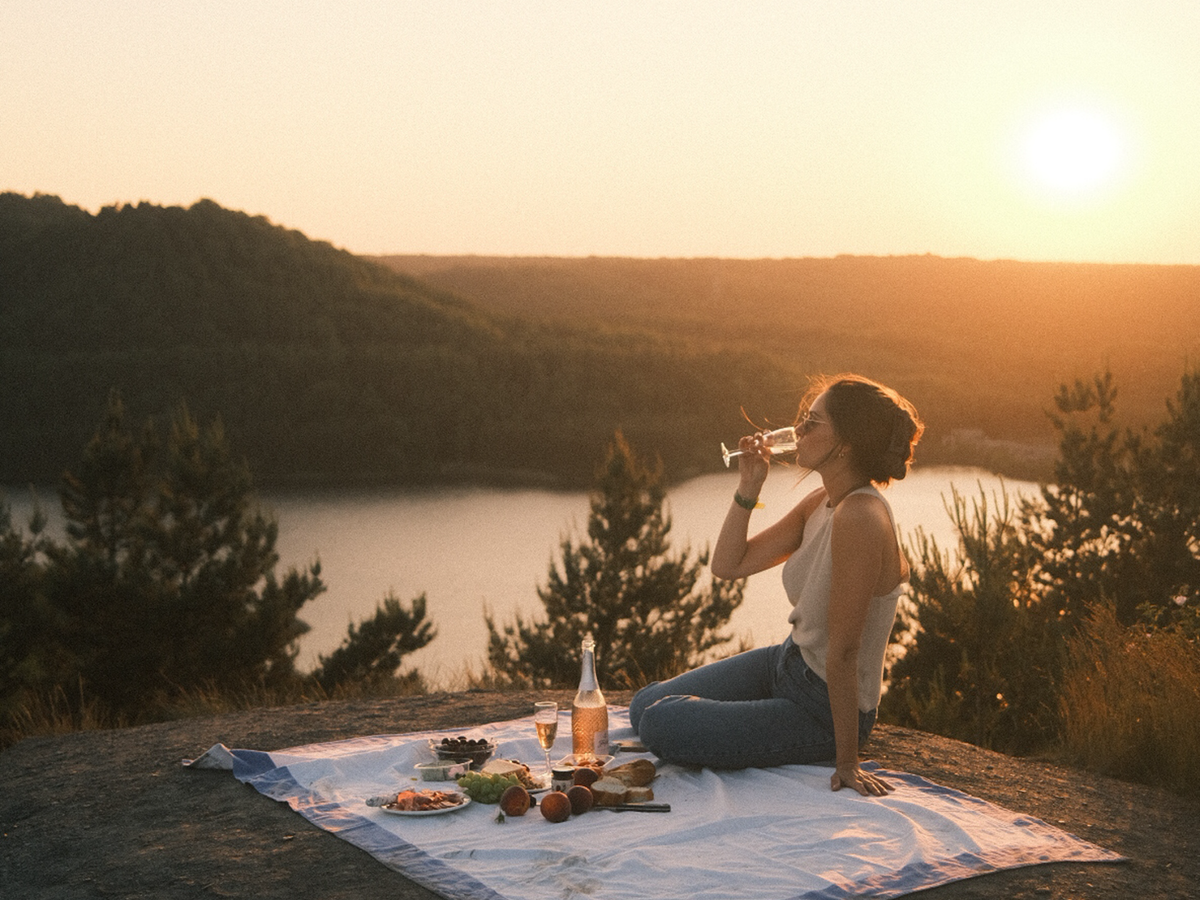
x: 761, y: 708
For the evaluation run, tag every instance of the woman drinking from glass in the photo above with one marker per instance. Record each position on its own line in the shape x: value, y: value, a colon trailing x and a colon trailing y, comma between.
x: 813, y: 697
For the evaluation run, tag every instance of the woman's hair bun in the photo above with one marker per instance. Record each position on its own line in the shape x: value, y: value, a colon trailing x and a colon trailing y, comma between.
x: 896, y: 459
x: 879, y: 427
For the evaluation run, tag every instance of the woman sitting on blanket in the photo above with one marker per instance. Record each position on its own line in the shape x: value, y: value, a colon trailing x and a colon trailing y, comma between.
x: 812, y: 698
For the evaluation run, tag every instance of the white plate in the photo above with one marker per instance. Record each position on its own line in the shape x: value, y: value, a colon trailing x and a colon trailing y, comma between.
x: 466, y: 801
x: 595, y: 762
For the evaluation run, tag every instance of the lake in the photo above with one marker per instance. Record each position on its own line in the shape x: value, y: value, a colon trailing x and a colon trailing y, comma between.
x: 471, y: 549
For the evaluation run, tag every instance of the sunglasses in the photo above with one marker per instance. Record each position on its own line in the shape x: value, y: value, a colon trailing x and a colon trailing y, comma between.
x: 809, y: 422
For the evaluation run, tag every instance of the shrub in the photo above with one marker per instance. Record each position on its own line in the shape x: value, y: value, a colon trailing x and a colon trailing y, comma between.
x: 979, y: 659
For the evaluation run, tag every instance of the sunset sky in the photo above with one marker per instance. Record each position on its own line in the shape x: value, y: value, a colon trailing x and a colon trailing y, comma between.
x: 1030, y: 130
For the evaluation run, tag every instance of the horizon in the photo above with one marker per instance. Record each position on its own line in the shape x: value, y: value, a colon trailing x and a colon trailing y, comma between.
x: 1030, y: 133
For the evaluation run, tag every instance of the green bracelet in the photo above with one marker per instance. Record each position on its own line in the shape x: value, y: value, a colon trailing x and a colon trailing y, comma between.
x: 744, y: 503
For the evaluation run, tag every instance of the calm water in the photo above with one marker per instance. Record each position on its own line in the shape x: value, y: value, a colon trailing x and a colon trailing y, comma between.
x: 472, y: 549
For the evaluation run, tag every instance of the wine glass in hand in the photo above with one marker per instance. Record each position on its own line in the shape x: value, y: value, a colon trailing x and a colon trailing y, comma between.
x: 545, y: 719
x: 781, y: 440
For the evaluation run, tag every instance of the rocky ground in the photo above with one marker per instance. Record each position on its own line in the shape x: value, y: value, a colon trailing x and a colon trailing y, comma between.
x: 114, y: 814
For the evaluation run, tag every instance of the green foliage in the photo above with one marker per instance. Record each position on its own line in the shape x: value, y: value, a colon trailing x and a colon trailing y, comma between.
x: 1077, y: 594
x: 623, y: 586
x: 374, y: 649
x: 1120, y: 523
x: 322, y: 365
x: 981, y: 657
x: 165, y: 589
x: 334, y: 368
x: 168, y: 576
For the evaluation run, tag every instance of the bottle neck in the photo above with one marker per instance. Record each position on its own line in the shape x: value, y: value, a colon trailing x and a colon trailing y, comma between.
x: 587, y: 675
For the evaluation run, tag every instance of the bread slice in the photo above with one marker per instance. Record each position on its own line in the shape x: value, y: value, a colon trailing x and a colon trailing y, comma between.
x: 609, y: 792
x: 639, y: 795
x: 637, y: 773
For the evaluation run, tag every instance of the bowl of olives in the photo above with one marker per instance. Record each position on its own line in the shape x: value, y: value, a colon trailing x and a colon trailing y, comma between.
x: 476, y: 751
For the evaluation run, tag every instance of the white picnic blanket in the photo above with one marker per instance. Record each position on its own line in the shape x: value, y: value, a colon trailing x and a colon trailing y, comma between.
x: 771, y: 834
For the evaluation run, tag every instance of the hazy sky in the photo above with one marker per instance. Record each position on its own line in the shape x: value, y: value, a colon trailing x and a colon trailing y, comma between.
x: 1031, y: 129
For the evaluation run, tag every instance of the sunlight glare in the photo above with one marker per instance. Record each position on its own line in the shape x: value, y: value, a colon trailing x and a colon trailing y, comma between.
x: 1073, y: 151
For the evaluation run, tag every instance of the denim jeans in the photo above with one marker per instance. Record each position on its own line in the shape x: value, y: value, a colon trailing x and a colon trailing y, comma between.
x: 764, y: 707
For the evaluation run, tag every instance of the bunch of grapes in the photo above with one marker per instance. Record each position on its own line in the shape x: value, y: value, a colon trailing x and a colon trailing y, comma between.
x: 486, y: 788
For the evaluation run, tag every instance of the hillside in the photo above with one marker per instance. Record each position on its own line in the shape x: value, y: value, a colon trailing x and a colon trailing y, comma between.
x: 289, y: 340
x: 335, y: 369
x: 981, y: 346
x: 323, y: 366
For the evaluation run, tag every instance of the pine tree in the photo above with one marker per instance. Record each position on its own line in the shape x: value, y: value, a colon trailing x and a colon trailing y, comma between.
x: 1120, y: 523
x: 623, y: 586
x: 373, y: 650
x: 168, y: 577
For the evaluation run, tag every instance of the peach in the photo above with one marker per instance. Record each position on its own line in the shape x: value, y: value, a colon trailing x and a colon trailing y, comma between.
x: 515, y: 801
x: 581, y: 799
x: 556, y: 806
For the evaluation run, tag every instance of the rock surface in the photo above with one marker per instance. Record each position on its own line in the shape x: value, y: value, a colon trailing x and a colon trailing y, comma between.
x: 114, y: 814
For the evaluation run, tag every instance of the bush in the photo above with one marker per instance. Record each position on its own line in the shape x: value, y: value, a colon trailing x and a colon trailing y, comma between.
x: 372, y: 651
x: 1111, y: 545
x: 980, y: 661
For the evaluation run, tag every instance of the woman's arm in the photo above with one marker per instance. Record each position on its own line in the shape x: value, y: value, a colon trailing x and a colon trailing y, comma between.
x: 859, y: 548
x: 736, y: 555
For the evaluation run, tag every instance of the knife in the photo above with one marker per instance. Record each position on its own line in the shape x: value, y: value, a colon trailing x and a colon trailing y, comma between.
x: 637, y: 807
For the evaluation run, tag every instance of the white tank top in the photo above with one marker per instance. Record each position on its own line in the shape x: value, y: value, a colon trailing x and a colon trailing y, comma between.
x: 808, y: 579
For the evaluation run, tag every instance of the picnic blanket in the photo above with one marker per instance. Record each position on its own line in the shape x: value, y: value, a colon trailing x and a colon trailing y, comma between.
x: 772, y: 834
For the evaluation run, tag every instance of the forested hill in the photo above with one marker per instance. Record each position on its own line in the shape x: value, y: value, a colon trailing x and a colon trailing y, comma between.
x: 328, y: 368
x: 980, y: 346
x: 325, y: 368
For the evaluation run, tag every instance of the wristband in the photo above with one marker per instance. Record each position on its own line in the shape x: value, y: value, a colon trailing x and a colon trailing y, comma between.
x: 746, y: 504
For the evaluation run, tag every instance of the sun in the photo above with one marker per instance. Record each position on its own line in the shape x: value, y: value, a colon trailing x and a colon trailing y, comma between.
x: 1073, y: 151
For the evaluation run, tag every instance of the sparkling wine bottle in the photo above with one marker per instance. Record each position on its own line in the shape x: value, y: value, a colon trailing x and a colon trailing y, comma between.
x: 589, y: 712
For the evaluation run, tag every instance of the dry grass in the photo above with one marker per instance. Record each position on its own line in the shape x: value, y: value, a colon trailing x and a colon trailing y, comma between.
x: 55, y: 713
x: 1130, y: 703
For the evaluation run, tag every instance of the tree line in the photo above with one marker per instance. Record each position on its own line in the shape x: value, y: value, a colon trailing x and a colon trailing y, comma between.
x: 331, y: 368
x: 979, y: 345
x: 325, y: 367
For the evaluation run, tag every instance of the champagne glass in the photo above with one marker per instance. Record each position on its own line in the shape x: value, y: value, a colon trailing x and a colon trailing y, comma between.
x: 545, y: 719
x: 781, y: 440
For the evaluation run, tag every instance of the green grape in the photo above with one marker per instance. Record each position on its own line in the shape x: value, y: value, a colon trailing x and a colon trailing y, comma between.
x: 486, y: 788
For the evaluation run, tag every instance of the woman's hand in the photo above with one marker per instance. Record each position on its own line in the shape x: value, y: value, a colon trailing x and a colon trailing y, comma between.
x: 753, y: 464
x: 864, y: 782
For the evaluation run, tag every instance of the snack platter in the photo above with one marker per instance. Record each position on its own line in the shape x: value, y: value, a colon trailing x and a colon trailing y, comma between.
x: 425, y: 803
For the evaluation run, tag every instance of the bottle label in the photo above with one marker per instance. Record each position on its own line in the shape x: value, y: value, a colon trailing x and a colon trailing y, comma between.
x: 601, y: 743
